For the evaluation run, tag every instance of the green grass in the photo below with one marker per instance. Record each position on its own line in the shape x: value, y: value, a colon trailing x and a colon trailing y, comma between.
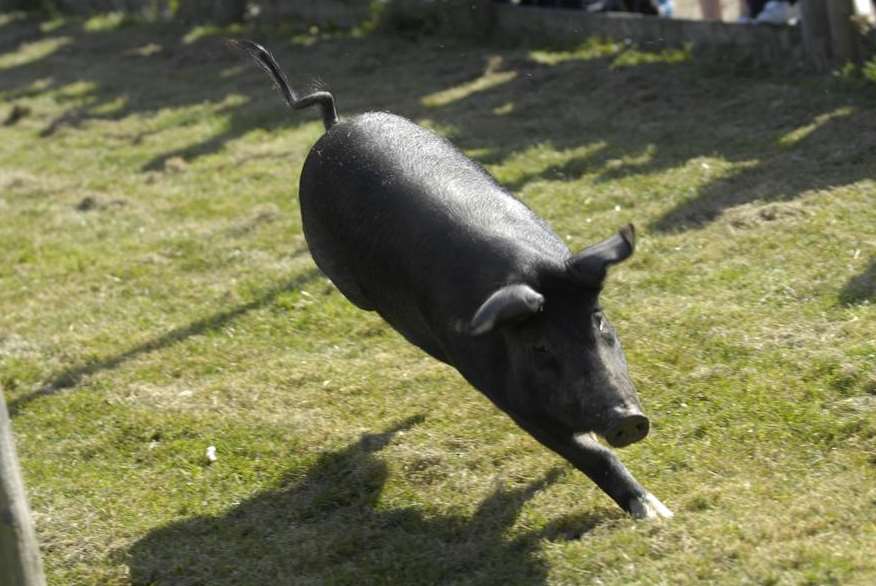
x: 157, y: 297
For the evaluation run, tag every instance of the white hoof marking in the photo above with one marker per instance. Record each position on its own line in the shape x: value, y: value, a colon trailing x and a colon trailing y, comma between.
x: 649, y: 507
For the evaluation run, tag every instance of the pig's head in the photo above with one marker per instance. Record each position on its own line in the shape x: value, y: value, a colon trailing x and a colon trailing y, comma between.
x: 564, y: 365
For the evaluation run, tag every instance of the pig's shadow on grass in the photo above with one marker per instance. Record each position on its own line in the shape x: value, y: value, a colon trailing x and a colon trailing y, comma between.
x: 330, y: 527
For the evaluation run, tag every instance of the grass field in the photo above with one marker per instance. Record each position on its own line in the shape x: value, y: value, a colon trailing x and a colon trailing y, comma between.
x: 157, y: 298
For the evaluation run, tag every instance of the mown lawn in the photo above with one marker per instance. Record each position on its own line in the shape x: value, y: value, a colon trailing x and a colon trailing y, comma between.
x: 157, y: 298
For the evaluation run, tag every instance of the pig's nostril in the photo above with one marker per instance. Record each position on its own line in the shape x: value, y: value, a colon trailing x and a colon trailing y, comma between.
x: 629, y: 430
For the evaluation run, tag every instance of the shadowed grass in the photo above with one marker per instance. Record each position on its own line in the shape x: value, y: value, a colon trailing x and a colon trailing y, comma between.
x: 156, y: 299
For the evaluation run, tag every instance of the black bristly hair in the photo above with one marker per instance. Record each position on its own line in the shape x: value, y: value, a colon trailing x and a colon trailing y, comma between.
x: 323, y: 99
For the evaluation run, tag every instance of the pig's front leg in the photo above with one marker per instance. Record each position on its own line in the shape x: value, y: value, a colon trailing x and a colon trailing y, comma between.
x: 602, y: 467
x: 605, y: 469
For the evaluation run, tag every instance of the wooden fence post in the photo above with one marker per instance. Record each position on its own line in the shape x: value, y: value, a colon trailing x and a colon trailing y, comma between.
x: 830, y: 34
x: 816, y: 32
x: 20, y: 563
x: 844, y: 36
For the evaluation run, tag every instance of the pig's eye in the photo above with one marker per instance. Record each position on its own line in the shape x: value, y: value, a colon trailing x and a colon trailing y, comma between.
x: 540, y: 347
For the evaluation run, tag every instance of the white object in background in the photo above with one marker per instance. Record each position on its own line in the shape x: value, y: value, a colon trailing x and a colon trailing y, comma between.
x: 211, y: 454
x: 665, y: 8
x: 865, y: 8
x: 778, y: 12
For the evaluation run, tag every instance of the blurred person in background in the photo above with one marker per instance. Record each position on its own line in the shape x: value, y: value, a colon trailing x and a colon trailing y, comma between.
x: 640, y: 6
x: 757, y: 11
x: 772, y: 11
x: 711, y: 9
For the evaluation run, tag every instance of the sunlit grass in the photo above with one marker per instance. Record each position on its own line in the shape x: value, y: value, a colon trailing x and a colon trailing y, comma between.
x: 491, y: 78
x: 157, y: 298
x: 105, y: 22
x: 33, y: 52
x: 591, y: 49
x: 801, y: 133
x: 624, y: 55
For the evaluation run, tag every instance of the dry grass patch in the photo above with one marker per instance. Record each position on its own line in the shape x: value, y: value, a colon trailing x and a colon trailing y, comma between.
x: 157, y: 298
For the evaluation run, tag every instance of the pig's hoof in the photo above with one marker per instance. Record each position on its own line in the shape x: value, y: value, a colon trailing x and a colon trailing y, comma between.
x: 649, y: 507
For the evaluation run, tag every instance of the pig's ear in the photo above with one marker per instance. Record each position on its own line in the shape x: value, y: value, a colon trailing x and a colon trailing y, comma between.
x: 590, y: 266
x: 508, y: 304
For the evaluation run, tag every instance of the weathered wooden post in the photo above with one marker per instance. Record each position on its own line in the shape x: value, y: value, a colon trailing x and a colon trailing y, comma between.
x: 830, y: 33
x: 816, y: 32
x: 20, y: 563
x: 844, y: 36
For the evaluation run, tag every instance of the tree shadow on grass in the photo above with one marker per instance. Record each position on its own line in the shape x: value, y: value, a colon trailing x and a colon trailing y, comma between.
x: 649, y: 115
x: 141, y: 68
x: 331, y: 528
x: 72, y: 376
x: 860, y: 288
x: 614, y: 123
x: 835, y: 150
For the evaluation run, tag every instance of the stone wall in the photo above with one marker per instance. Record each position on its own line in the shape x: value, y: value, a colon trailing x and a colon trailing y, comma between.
x: 780, y: 44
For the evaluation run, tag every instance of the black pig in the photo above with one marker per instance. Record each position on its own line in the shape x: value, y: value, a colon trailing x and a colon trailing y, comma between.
x: 406, y: 225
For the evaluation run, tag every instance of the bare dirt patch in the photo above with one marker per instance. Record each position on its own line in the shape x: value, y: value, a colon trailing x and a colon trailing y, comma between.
x: 752, y: 215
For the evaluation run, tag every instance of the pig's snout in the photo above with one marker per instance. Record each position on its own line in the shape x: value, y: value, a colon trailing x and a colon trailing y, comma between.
x: 628, y: 429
